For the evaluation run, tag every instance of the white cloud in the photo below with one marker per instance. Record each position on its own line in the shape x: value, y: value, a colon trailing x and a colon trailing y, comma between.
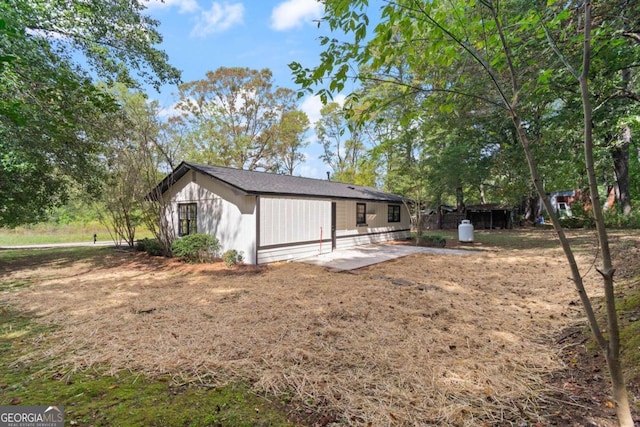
x: 294, y: 13
x: 340, y: 98
x: 169, y: 112
x: 219, y: 18
x: 183, y: 6
x: 312, y: 106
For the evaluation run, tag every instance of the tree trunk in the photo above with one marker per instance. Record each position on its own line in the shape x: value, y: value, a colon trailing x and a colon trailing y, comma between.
x: 620, y: 156
x: 483, y: 198
x: 532, y: 208
x: 612, y: 347
x: 419, y: 220
x: 459, y: 200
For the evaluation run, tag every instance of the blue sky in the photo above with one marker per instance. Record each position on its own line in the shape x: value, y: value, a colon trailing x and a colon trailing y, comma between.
x: 203, y: 35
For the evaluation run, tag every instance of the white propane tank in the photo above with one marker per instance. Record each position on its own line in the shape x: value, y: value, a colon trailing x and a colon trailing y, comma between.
x: 465, y: 231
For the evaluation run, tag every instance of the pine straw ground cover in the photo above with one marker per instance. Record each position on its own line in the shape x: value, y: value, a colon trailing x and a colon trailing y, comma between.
x: 422, y: 340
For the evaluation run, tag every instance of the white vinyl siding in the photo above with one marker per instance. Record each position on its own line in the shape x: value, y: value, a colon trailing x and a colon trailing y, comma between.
x: 223, y: 212
x: 292, y: 252
x: 290, y: 220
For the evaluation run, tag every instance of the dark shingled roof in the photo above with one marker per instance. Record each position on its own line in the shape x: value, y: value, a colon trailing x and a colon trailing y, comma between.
x: 252, y: 182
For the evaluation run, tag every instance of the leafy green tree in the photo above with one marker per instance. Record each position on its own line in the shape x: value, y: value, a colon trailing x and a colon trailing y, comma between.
x: 502, y: 53
x: 140, y: 150
x: 342, y: 143
x: 52, y: 115
x: 616, y: 88
x: 130, y: 144
x: 233, y: 117
x: 291, y: 133
x: 399, y: 141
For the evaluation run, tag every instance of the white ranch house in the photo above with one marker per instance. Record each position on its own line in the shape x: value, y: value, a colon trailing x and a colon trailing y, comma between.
x: 272, y: 217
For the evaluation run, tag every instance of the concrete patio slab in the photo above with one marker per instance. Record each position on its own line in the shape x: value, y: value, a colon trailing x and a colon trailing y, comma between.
x: 363, y: 256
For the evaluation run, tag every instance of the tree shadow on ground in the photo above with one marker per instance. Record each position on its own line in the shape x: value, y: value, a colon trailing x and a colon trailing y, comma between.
x: 104, y: 258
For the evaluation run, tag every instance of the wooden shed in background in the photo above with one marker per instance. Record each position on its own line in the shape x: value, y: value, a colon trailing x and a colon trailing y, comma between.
x: 490, y: 216
x: 484, y: 216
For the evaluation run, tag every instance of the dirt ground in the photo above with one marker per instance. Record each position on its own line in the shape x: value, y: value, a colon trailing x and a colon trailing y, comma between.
x: 492, y: 338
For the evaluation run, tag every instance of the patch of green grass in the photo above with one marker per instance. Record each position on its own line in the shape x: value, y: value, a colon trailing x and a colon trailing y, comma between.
x: 507, y: 239
x: 436, y: 240
x: 91, y: 398
x: 511, y: 239
x: 71, y: 233
x: 58, y: 255
x: 36, y: 235
x: 15, y: 284
x: 445, y: 234
x: 98, y: 399
x: 629, y: 312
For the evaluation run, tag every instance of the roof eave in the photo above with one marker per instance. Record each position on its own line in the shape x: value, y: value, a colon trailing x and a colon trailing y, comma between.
x: 326, y: 196
x: 204, y: 172
x: 185, y: 166
x: 167, y: 182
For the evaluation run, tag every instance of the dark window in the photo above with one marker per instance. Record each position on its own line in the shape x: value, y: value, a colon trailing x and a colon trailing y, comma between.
x: 394, y: 213
x: 361, y: 214
x: 187, y: 218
